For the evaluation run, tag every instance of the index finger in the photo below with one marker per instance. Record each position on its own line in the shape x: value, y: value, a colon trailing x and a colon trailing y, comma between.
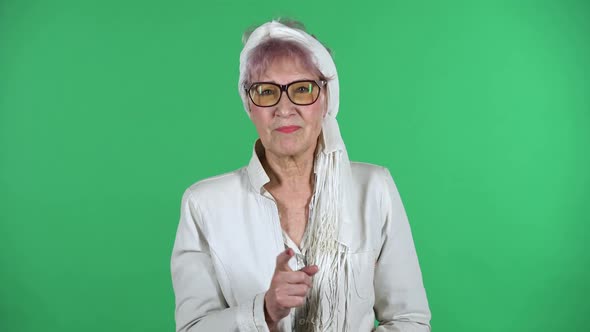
x: 283, y: 260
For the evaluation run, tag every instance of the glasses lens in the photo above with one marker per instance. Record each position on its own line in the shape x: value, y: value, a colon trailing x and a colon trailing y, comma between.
x: 304, y: 92
x: 264, y: 94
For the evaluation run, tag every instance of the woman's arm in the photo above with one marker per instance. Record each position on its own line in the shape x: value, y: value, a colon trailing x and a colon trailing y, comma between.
x: 400, y: 297
x: 200, y: 305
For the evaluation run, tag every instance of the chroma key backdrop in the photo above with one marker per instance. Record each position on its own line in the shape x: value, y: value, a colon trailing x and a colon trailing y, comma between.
x: 110, y: 109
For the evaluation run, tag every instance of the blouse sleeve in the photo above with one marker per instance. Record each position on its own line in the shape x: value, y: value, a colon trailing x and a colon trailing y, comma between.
x: 200, y: 304
x: 400, y: 298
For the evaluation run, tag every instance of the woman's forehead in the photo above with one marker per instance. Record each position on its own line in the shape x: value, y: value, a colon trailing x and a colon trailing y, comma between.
x: 282, y: 69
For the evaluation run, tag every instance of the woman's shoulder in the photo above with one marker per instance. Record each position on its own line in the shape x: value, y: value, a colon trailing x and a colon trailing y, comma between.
x: 223, y: 184
x: 364, y: 169
x: 370, y: 176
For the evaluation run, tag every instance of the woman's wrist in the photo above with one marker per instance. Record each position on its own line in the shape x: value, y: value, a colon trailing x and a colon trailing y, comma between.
x: 272, y: 325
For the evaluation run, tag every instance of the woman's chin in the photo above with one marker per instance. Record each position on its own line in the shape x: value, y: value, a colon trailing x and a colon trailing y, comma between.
x: 289, y: 150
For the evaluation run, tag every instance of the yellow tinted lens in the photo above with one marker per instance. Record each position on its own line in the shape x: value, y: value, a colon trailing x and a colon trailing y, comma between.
x: 304, y: 93
x: 264, y: 94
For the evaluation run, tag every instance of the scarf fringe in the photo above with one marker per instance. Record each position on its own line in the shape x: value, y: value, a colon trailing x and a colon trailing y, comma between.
x: 330, y: 288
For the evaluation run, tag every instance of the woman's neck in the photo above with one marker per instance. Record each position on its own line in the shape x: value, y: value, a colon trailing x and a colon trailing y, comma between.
x: 293, y: 173
x: 289, y: 172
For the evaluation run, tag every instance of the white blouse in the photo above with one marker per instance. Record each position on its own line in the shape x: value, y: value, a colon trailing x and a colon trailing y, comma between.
x: 229, y: 236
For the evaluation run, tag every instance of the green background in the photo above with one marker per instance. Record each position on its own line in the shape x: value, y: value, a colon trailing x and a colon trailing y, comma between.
x: 110, y: 109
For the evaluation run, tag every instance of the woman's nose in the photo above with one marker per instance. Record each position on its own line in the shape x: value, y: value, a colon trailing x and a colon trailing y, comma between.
x: 285, y: 107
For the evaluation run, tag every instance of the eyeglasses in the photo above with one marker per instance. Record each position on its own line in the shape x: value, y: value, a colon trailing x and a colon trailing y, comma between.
x: 267, y: 94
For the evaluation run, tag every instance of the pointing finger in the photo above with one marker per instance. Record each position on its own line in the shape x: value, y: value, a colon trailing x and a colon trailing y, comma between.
x: 283, y: 260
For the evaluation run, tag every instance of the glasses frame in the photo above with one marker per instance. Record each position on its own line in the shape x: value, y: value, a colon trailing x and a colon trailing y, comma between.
x: 284, y: 88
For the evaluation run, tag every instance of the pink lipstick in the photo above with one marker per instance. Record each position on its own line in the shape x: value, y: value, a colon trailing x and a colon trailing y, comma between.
x: 288, y: 129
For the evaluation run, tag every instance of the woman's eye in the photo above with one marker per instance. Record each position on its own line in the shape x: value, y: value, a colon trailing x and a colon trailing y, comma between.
x: 303, y: 89
x: 264, y: 92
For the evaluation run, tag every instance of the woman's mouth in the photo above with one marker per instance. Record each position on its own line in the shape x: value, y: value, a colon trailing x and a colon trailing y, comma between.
x: 288, y: 129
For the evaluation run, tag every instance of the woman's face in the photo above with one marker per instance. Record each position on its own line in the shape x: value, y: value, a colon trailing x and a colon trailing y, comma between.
x: 286, y: 129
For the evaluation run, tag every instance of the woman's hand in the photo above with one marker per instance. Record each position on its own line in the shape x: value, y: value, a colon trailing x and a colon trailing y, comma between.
x: 288, y: 289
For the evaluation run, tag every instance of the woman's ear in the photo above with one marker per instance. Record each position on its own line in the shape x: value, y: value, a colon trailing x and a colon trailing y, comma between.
x: 249, y: 108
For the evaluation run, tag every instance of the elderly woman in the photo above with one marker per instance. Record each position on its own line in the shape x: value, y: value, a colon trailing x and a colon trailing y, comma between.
x: 300, y: 239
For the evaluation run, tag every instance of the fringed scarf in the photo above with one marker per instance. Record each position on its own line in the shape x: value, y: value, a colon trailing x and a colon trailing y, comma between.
x: 328, y: 300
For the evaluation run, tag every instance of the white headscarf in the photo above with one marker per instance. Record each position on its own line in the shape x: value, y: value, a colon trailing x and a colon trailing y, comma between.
x: 329, y: 295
